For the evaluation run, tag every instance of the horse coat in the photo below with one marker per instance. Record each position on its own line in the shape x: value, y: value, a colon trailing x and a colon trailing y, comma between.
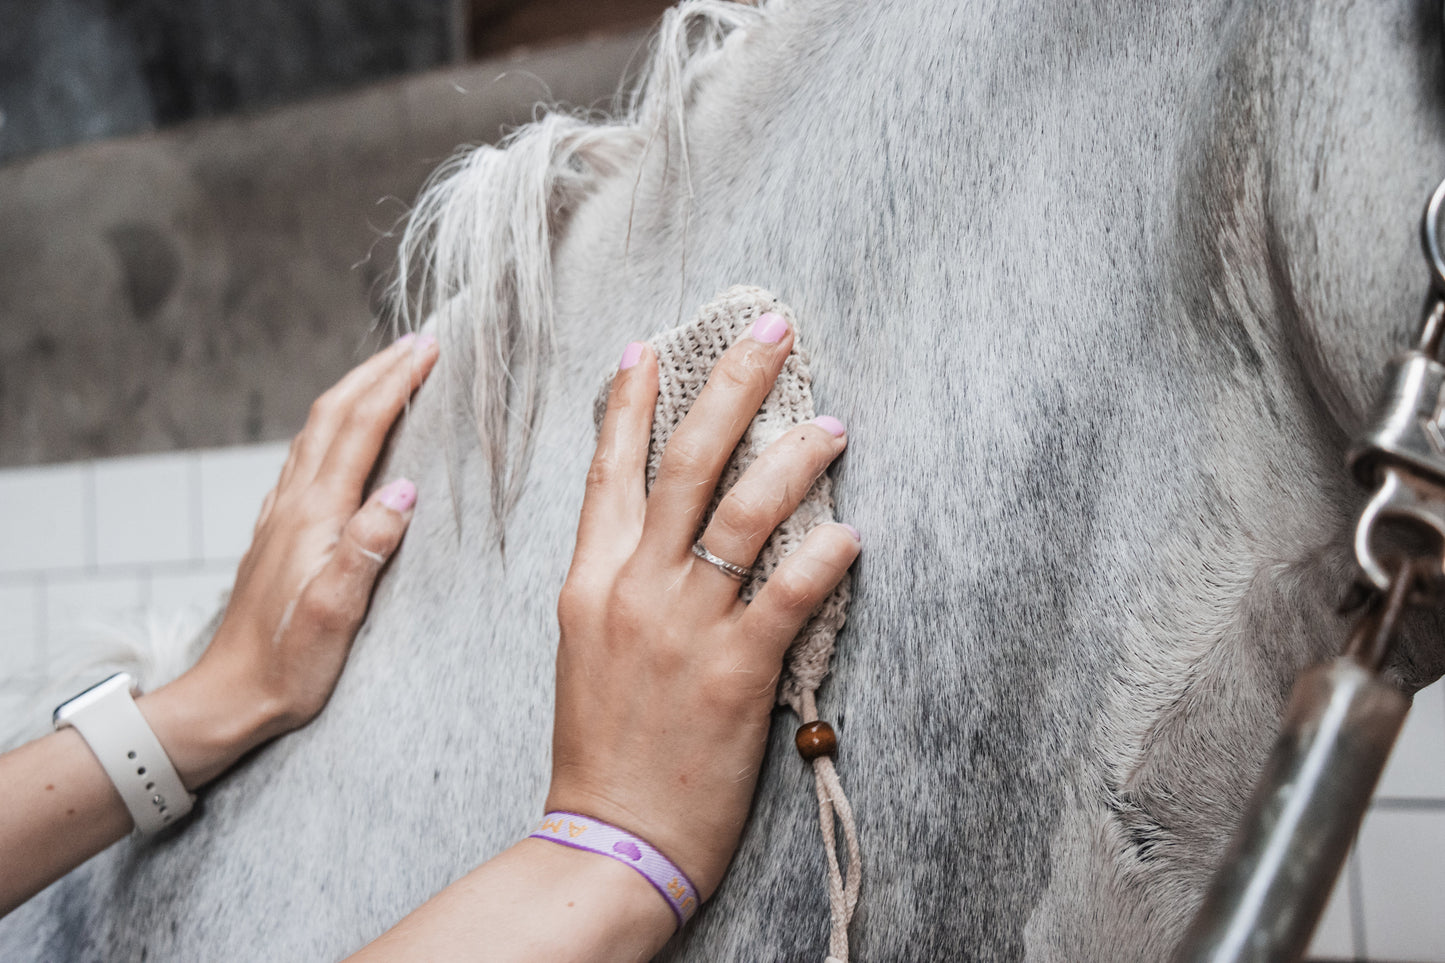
x: 1100, y: 293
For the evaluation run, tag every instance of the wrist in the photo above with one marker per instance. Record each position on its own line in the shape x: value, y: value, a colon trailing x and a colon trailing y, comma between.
x: 616, y: 906
x: 205, y: 722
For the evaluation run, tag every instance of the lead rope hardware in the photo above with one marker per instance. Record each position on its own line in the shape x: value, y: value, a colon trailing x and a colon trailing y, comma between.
x: 1343, y: 717
x: 1401, y: 454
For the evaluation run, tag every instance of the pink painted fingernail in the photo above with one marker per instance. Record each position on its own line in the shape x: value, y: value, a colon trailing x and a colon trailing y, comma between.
x: 630, y: 356
x: 768, y: 328
x: 830, y: 424
x: 398, y: 496
x: 857, y: 535
x: 406, y: 339
x: 425, y: 342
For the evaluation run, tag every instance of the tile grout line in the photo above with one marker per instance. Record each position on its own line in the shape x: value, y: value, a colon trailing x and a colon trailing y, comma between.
x: 184, y: 566
x: 1396, y: 804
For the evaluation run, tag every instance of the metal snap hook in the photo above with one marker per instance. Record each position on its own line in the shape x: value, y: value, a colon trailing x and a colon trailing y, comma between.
x: 1403, y: 497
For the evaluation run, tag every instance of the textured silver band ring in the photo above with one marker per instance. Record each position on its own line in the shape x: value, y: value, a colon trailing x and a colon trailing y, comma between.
x: 728, y: 568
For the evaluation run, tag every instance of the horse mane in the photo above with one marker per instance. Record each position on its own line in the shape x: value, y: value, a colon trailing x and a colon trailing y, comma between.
x: 476, y: 253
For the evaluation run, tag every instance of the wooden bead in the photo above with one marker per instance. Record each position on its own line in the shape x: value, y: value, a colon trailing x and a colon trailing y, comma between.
x: 816, y: 739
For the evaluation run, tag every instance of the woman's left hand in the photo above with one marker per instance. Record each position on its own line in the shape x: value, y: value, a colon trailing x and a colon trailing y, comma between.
x: 304, y: 585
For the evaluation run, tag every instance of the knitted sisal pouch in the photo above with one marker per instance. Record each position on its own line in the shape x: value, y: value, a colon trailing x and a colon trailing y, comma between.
x: 685, y: 358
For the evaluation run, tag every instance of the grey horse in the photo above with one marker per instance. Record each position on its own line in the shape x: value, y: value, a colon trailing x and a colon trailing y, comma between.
x: 1101, y: 292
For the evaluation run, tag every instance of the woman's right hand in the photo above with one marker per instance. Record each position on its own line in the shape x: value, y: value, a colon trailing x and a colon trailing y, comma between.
x: 665, y: 679
x: 304, y: 585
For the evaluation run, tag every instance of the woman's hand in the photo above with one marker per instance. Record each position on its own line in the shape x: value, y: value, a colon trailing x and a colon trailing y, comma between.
x: 300, y: 595
x: 304, y: 585
x: 665, y: 678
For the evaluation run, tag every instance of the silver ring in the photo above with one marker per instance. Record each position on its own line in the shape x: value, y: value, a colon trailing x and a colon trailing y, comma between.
x: 728, y: 568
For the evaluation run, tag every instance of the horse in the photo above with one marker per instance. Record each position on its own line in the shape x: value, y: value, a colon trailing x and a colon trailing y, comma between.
x: 1101, y: 292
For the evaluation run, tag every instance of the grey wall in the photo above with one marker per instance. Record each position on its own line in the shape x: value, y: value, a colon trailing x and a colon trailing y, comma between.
x: 75, y: 70
x: 199, y: 287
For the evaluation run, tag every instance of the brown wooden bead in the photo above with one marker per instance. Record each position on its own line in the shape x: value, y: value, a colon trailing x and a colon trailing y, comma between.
x: 816, y: 739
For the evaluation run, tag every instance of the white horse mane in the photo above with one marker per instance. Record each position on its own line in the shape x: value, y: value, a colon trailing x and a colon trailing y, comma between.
x: 476, y: 253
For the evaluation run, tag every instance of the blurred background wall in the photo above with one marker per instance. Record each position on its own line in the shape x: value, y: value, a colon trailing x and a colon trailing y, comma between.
x: 195, y: 195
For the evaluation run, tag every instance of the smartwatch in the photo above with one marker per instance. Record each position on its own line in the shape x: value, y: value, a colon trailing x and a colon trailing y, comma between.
x: 107, y: 717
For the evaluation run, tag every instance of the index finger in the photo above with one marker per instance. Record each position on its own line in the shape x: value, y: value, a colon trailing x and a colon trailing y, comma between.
x: 328, y: 412
x: 616, y: 498
x: 369, y: 416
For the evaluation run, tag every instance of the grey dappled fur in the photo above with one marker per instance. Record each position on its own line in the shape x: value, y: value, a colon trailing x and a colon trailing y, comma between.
x: 1100, y: 295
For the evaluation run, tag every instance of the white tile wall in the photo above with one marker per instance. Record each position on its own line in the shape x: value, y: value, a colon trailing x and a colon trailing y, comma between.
x: 20, y: 625
x: 44, y: 518
x: 196, y: 592
x: 1417, y: 763
x: 1335, y: 936
x: 233, y: 483
x: 108, y: 540
x: 75, y: 604
x: 144, y: 509
x: 1402, y: 882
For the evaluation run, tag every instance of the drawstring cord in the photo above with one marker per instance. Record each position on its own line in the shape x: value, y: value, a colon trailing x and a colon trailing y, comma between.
x: 834, y: 811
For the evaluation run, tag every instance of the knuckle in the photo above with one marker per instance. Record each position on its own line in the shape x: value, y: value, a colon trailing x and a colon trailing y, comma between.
x: 620, y: 400
x: 371, y: 532
x: 325, y: 609
x: 322, y: 408
x: 576, y: 604
x: 688, y: 455
x: 735, y: 679
x: 629, y: 610
x: 744, y: 371
x: 316, y: 507
x: 795, y: 585
x: 718, y: 696
x: 669, y: 657
x: 603, y: 470
x: 744, y: 515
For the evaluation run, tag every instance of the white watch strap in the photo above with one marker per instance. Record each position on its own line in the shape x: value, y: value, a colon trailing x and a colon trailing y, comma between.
x: 112, y: 725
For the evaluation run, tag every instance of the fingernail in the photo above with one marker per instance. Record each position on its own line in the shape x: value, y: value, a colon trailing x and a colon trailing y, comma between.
x: 425, y: 342
x: 857, y: 536
x: 768, y: 328
x: 830, y: 424
x: 398, y: 496
x: 630, y: 356
x: 406, y: 339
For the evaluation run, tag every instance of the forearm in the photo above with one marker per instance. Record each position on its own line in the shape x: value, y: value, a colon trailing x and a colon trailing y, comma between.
x: 60, y: 806
x: 61, y: 809
x: 535, y: 901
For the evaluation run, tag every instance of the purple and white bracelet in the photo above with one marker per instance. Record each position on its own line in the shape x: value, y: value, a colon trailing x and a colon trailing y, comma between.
x: 595, y: 836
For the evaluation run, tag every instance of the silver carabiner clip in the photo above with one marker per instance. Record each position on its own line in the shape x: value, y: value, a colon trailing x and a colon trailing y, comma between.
x: 1401, y: 454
